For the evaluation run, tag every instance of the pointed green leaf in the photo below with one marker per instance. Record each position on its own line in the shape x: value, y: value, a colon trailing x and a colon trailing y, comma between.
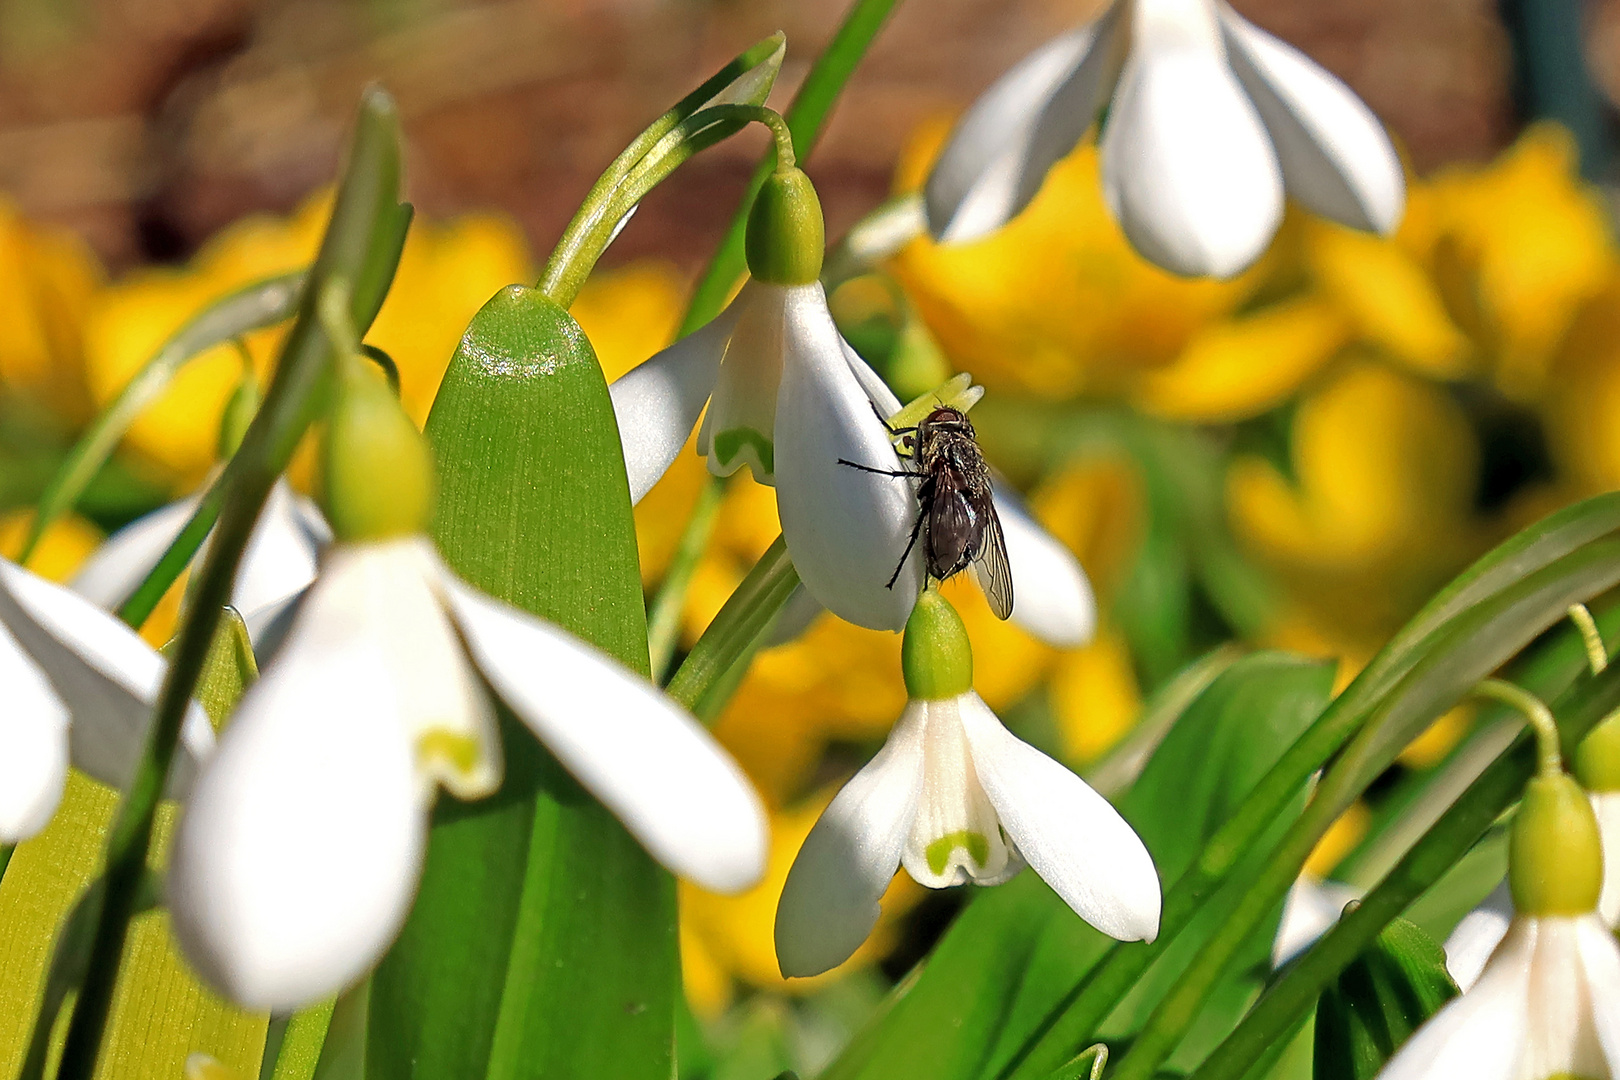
x: 1378, y: 1001
x: 542, y: 943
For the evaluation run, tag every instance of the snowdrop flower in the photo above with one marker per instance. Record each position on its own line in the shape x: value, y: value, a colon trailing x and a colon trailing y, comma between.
x: 297, y: 857
x: 1210, y: 119
x: 954, y: 797
x: 79, y: 687
x: 279, y: 562
x: 1547, y: 1003
x: 1312, y: 907
x: 783, y: 401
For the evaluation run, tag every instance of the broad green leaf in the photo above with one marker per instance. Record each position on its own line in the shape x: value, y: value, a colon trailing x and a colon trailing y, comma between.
x: 542, y: 943
x: 1010, y: 958
x: 161, y: 1013
x: 1378, y: 1001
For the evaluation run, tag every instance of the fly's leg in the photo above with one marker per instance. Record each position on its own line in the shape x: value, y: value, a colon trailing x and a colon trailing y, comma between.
x: 880, y: 472
x: 915, y: 530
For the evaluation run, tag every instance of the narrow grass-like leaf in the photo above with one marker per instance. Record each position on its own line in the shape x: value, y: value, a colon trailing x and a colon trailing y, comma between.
x: 542, y: 943
x: 1378, y: 1001
x: 262, y: 304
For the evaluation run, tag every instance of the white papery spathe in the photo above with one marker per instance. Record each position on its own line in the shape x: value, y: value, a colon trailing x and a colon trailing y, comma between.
x: 783, y: 401
x: 1546, y: 1005
x: 954, y: 797
x: 79, y: 687
x: 1210, y: 120
x: 297, y: 857
x: 1312, y: 908
x: 280, y: 559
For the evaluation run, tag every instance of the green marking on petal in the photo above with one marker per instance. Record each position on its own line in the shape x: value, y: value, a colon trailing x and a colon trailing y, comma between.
x: 729, y: 443
x: 440, y: 750
x: 975, y: 844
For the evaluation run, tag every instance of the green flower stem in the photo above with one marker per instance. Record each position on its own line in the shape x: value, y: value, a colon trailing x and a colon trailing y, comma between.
x: 301, y: 1045
x: 735, y: 634
x: 806, y: 117
x: 362, y: 244
x: 1597, y: 654
x: 1581, y: 709
x: 181, y: 550
x: 1550, y: 761
x: 1458, y: 655
x: 259, y: 305
x: 664, y: 617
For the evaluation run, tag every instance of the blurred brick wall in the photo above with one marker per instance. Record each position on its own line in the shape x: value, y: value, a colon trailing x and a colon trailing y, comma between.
x: 149, y: 123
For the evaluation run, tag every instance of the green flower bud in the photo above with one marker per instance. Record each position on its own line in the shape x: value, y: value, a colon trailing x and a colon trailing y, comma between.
x: 786, y: 235
x: 935, y: 654
x: 239, y: 412
x: 1597, y: 759
x: 1555, y: 857
x: 377, y: 470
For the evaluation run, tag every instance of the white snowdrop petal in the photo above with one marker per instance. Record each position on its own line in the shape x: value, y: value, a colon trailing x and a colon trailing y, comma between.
x: 1001, y: 149
x: 740, y: 427
x: 1052, y: 596
x: 644, y: 757
x: 1068, y: 833
x: 1482, y: 1034
x: 33, y: 745
x: 298, y: 854
x: 1477, y: 936
x: 831, y: 899
x: 955, y: 837
x: 103, y: 673
x: 1312, y: 908
x: 1562, y: 1037
x: 796, y: 616
x: 1336, y: 158
x: 311, y: 520
x: 1600, y: 963
x: 876, y: 389
x: 846, y: 528
x: 1606, y: 806
x: 1188, y: 168
x: 110, y: 575
x: 658, y: 402
x: 281, y: 556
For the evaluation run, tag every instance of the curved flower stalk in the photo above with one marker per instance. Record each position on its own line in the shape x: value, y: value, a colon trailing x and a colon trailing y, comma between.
x: 783, y: 401
x: 955, y: 797
x: 1547, y: 1002
x: 279, y: 562
x: 297, y: 858
x: 1210, y: 120
x: 79, y: 687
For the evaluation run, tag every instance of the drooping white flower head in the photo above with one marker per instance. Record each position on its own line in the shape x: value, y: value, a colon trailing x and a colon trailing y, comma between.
x: 279, y: 562
x: 1547, y: 1003
x: 1312, y: 908
x: 1210, y: 120
x: 79, y: 687
x: 298, y: 854
x: 955, y: 797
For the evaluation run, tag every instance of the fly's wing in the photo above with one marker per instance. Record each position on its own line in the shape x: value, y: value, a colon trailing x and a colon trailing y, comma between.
x: 990, y: 565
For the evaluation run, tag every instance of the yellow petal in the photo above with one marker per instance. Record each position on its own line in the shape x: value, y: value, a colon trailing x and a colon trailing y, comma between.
x: 1094, y: 695
x: 1245, y: 366
x: 61, y: 551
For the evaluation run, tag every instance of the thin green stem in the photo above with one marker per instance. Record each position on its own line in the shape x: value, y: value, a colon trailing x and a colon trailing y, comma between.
x: 806, y: 117
x: 1550, y: 761
x: 1597, y: 654
x: 362, y: 244
x: 664, y: 617
x: 1295, y: 992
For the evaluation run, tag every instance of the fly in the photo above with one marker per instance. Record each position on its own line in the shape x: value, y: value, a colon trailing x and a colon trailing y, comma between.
x: 956, y: 516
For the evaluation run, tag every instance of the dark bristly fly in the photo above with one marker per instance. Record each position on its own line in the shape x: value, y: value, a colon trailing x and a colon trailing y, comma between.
x: 956, y: 516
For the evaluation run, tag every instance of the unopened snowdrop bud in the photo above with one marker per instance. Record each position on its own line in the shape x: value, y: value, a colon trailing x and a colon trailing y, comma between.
x: 954, y: 797
x: 378, y: 470
x: 935, y: 654
x: 786, y: 234
x: 1597, y: 765
x: 1555, y: 857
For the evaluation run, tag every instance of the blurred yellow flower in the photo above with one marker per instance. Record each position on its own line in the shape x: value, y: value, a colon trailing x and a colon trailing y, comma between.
x: 47, y: 276
x: 61, y: 551
x: 445, y: 275
x: 729, y: 938
x: 1379, y: 510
